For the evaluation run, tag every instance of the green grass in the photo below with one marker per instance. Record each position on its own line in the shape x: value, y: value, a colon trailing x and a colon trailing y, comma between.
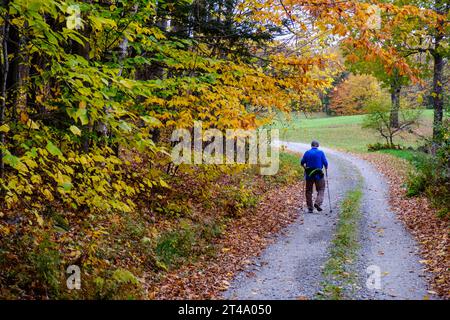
x: 290, y: 169
x: 343, y: 132
x: 290, y: 165
x: 338, y: 274
x: 408, y: 155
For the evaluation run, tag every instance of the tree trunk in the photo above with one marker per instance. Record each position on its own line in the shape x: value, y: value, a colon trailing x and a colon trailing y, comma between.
x: 4, y: 81
x: 391, y: 141
x: 437, y: 95
x: 396, y: 88
x: 438, y: 73
x: 24, y: 82
x: 13, y: 78
x: 83, y: 51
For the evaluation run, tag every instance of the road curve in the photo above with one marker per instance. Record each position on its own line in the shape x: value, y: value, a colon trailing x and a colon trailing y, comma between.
x: 291, y: 268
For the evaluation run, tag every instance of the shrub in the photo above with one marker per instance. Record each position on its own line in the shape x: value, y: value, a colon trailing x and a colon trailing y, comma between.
x: 134, y: 227
x: 119, y: 284
x: 383, y: 146
x: 212, y: 230
x: 431, y: 176
x: 237, y: 199
x: 174, y: 210
x: 46, y: 262
x: 290, y: 169
x: 420, y: 178
x: 173, y: 247
x: 378, y: 119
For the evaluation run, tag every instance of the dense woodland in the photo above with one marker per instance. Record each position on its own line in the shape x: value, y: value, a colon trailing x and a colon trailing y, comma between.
x: 92, y: 90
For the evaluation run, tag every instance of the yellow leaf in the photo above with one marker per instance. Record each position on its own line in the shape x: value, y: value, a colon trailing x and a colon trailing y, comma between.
x: 39, y: 219
x: 4, y: 230
x: 32, y: 125
x: 163, y: 183
x: 98, y: 158
x: 75, y: 130
x: 4, y: 128
x: 48, y: 194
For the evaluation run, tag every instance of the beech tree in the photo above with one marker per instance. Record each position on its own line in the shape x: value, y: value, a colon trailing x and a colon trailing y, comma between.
x: 352, y: 94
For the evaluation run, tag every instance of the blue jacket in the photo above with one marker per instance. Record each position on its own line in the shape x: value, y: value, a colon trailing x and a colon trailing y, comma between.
x: 315, y: 159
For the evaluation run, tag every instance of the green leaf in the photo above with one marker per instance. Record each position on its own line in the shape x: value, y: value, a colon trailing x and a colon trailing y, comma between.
x: 74, y: 37
x: 15, y: 162
x: 33, y: 152
x: 82, y: 115
x: 151, y: 121
x: 54, y: 150
x: 11, y: 160
x: 124, y: 276
x: 161, y: 265
x: 66, y: 186
x: 124, y: 126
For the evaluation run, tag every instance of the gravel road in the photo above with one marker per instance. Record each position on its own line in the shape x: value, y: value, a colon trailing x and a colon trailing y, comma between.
x: 291, y: 268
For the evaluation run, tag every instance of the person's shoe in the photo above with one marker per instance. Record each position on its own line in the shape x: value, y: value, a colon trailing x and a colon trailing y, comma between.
x: 310, y: 210
x: 318, y: 207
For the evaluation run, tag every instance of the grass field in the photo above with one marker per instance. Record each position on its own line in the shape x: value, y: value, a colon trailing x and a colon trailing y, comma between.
x: 343, y: 132
x: 409, y: 155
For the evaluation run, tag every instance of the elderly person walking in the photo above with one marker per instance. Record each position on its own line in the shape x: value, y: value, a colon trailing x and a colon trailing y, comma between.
x: 314, y: 161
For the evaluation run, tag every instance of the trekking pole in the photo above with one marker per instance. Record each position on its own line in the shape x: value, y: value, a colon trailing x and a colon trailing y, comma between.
x: 328, y: 188
x: 303, y: 190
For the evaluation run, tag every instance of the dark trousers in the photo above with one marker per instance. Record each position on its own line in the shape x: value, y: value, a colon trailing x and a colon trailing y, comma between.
x: 320, y: 188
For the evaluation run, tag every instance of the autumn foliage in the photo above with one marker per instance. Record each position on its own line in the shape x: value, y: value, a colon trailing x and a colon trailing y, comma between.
x: 353, y: 94
x: 90, y: 92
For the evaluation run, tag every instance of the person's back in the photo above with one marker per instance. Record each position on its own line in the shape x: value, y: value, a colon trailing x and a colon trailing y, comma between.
x: 314, y: 160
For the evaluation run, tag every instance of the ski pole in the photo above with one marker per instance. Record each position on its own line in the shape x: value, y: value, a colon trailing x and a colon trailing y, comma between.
x: 328, y: 188
x: 303, y: 191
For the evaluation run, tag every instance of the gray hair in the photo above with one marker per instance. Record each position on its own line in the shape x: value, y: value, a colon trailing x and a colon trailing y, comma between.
x: 315, y: 144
